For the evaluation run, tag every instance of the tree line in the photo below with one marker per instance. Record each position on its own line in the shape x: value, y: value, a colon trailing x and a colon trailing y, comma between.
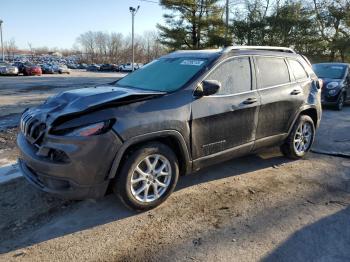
x: 100, y: 47
x: 319, y: 29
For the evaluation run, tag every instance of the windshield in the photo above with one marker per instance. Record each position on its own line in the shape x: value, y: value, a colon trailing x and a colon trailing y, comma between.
x: 165, y: 74
x: 329, y: 71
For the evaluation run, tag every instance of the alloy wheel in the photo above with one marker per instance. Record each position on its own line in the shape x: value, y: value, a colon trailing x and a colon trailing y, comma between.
x: 303, y: 138
x: 151, y: 178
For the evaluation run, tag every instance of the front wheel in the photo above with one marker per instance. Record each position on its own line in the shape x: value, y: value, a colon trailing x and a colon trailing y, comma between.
x: 148, y: 176
x: 300, y: 139
x: 341, y: 101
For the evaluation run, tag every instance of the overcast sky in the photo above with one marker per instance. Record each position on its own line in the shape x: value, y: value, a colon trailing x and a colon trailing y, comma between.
x: 58, y: 23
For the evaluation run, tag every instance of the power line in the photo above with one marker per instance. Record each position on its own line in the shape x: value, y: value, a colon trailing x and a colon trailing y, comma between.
x: 149, y: 1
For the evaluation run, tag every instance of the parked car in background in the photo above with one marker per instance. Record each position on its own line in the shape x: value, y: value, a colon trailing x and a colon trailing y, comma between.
x: 138, y: 66
x: 63, y: 69
x: 336, y: 83
x: 8, y: 69
x: 93, y: 68
x: 125, y: 67
x: 20, y: 66
x: 109, y: 67
x: 82, y: 66
x: 183, y: 112
x: 48, y: 69
x: 128, y: 67
x: 31, y: 70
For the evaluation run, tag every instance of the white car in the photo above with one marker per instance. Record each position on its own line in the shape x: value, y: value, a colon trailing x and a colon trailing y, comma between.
x: 63, y: 69
x: 128, y: 67
x: 8, y: 69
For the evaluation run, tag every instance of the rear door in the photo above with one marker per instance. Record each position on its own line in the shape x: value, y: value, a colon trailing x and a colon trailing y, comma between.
x: 227, y: 119
x: 281, y: 97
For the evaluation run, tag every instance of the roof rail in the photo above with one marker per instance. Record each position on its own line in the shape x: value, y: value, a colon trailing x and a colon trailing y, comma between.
x: 267, y: 48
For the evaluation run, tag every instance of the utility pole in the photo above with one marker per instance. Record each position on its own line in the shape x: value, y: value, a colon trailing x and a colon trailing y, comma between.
x: 226, y: 29
x: 133, y: 12
x: 2, y: 43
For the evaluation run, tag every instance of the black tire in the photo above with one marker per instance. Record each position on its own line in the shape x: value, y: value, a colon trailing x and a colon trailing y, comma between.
x: 288, y: 149
x: 122, y: 183
x: 340, y: 103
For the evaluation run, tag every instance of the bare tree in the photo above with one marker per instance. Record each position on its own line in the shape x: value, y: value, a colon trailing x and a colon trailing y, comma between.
x: 10, y: 48
x: 100, y: 47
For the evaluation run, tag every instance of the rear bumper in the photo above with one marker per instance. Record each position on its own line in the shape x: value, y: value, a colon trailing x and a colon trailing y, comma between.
x: 82, y: 174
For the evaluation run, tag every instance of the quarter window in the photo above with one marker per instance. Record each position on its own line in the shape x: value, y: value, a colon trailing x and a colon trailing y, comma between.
x: 297, y: 69
x: 234, y: 76
x: 272, y: 71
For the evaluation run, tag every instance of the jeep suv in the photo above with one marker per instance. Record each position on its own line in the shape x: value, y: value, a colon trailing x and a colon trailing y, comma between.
x: 180, y: 113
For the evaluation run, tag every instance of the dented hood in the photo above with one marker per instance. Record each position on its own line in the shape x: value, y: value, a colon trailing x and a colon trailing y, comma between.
x: 86, y: 99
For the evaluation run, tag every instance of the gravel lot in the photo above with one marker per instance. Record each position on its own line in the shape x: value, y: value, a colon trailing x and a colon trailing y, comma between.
x: 20, y: 92
x: 261, y: 207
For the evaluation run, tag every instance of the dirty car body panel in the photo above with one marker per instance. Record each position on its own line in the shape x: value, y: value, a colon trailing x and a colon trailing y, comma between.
x: 203, y: 130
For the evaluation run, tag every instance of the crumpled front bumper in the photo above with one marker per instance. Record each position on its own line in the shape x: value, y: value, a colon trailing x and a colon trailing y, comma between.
x: 82, y: 173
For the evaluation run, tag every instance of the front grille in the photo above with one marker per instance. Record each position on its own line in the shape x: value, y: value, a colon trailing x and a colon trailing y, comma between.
x: 32, y: 128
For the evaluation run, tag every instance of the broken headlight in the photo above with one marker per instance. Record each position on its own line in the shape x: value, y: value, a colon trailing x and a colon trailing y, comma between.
x: 88, y: 130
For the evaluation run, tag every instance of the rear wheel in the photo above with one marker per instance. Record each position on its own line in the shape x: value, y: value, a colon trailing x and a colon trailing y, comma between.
x: 301, y: 138
x: 148, y: 176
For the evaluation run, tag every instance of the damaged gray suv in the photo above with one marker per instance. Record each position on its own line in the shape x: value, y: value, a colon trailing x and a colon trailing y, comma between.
x: 176, y: 115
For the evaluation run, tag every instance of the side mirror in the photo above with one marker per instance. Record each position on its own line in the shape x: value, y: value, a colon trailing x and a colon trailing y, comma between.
x: 207, y: 88
x: 319, y: 83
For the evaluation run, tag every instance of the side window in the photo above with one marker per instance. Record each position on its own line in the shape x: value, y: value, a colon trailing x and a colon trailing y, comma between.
x: 272, y: 71
x: 297, y: 69
x: 234, y: 76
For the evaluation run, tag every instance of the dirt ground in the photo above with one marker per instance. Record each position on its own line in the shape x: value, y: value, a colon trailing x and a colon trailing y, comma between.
x: 8, y: 149
x: 262, y: 207
x: 249, y: 209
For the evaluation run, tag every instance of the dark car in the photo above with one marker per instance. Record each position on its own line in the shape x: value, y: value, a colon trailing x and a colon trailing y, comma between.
x: 336, y: 78
x: 20, y: 66
x: 108, y: 67
x: 180, y: 113
x: 93, y: 68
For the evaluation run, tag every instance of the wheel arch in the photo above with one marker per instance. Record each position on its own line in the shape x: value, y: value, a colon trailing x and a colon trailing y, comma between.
x: 310, y: 111
x: 171, y: 138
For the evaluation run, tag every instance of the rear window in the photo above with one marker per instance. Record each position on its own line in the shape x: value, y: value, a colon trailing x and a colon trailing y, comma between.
x: 272, y: 71
x: 297, y: 69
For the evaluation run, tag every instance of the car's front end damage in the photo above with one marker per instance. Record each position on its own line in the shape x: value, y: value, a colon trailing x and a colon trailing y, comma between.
x: 67, y: 145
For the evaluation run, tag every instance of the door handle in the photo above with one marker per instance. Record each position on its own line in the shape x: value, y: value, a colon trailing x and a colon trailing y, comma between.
x: 295, y: 92
x: 250, y: 100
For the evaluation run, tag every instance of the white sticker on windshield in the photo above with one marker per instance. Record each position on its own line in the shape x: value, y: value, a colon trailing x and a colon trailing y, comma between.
x: 337, y: 67
x: 192, y: 62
